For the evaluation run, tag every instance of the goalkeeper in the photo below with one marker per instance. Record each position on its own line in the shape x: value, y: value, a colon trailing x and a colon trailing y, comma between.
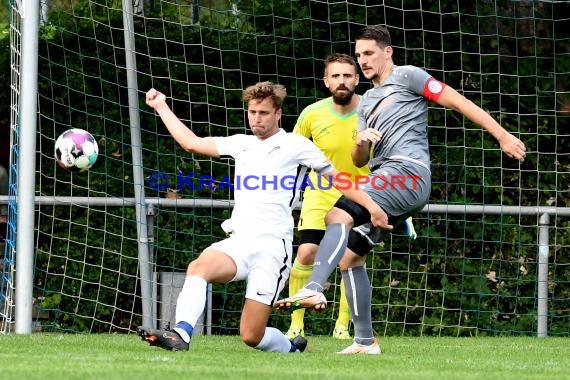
x: 330, y: 123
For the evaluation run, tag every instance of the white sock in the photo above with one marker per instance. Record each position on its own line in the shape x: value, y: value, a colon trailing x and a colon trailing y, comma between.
x: 183, y: 334
x: 191, y: 300
x: 274, y: 341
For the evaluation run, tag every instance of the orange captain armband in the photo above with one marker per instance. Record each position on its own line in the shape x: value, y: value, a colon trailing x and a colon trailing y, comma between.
x: 433, y: 89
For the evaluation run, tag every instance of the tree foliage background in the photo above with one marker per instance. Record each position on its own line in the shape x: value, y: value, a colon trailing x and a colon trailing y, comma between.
x: 466, y: 274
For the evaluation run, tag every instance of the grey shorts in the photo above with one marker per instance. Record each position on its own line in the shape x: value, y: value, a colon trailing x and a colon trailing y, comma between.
x: 400, y: 188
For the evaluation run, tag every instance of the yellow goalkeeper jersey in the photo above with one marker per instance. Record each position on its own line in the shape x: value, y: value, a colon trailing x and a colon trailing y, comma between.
x: 334, y: 135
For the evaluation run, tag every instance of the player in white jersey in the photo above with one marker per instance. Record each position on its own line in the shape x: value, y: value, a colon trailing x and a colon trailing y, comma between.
x: 393, y: 124
x: 268, y: 174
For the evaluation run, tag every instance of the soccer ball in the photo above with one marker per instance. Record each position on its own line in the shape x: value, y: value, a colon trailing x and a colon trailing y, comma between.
x: 76, y: 150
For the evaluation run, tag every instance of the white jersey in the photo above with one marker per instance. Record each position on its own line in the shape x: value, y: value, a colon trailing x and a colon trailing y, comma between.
x: 267, y: 181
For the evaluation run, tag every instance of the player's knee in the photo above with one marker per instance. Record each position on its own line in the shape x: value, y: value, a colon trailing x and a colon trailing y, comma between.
x: 250, y: 338
x: 195, y: 268
x: 351, y: 261
x: 190, y: 269
x: 337, y: 215
x: 306, y: 256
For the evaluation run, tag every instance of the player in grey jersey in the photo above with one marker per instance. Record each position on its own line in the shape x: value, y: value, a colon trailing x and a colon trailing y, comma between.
x: 392, y: 122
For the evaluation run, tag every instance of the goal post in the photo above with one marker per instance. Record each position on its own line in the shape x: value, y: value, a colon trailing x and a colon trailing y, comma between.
x: 490, y: 254
x: 26, y: 59
x: 144, y: 242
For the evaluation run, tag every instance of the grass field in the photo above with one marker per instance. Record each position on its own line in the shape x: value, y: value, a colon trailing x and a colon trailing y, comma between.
x: 109, y: 357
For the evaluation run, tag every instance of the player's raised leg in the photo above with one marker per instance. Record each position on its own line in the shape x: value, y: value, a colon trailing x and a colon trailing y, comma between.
x: 329, y: 254
x: 309, y: 239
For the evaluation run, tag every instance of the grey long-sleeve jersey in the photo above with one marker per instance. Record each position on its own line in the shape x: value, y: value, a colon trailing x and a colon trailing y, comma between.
x: 398, y: 110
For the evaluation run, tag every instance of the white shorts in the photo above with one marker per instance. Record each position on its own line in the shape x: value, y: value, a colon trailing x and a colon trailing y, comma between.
x: 263, y: 262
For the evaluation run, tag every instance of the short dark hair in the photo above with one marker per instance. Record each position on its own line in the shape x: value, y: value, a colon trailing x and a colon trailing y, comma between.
x: 342, y: 58
x: 377, y: 33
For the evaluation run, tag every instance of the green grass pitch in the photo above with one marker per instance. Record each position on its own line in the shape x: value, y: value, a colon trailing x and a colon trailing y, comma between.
x: 109, y: 357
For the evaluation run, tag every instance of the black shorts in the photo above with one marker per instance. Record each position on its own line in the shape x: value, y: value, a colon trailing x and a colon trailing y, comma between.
x: 356, y: 242
x: 311, y: 236
x: 360, y: 214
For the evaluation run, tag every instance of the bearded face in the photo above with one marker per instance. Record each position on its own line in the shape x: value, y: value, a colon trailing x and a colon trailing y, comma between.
x: 342, y: 95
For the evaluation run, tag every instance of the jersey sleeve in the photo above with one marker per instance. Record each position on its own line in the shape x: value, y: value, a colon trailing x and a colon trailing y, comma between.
x: 422, y: 83
x: 360, y: 119
x: 312, y: 157
x: 228, y: 146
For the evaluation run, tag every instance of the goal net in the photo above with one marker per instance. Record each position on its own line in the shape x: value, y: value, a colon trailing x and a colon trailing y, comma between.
x: 475, y: 266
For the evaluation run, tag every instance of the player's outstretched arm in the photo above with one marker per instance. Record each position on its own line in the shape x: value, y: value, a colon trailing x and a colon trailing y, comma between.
x: 511, y: 145
x: 181, y: 133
